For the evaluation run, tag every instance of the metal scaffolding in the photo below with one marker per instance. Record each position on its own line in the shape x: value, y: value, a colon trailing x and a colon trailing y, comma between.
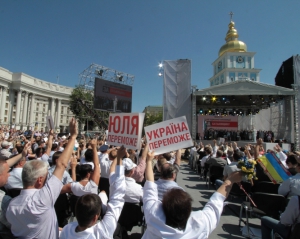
x: 87, y: 77
x: 87, y: 81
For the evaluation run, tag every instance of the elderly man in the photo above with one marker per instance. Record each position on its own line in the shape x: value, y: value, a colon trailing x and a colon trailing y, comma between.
x: 32, y: 213
x: 4, y: 152
x: 173, y: 216
x: 134, y: 191
x: 4, y: 174
x: 168, y: 173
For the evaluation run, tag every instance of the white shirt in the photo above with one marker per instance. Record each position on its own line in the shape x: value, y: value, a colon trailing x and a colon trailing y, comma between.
x: 106, y: 227
x: 104, y: 165
x: 290, y: 187
x: 32, y: 213
x: 283, y: 157
x: 66, y: 176
x: 134, y: 192
x: 204, y: 159
x: 79, y: 190
x: 199, y: 225
x: 15, y: 179
x: 164, y: 185
x: 291, y: 213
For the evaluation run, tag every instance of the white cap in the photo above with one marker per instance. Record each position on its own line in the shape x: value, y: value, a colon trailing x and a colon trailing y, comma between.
x: 5, y: 144
x: 128, y: 164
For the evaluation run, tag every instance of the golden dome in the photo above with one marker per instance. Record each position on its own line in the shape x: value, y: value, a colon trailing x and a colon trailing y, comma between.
x: 232, y: 43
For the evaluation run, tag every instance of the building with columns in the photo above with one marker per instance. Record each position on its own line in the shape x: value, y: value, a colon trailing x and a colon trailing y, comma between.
x: 25, y: 101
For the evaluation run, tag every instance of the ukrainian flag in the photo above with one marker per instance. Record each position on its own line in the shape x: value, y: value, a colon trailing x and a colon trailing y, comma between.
x: 274, y: 168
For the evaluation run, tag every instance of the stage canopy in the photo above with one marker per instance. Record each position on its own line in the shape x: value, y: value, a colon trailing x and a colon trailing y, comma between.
x: 242, y: 94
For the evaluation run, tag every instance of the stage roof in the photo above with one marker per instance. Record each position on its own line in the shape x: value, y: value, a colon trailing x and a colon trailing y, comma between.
x: 245, y: 87
x: 241, y: 94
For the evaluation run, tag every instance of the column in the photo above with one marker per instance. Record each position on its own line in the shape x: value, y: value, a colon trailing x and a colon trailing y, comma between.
x: 52, y: 108
x: 58, y: 113
x: 3, y: 101
x: 17, y: 120
x: 11, y: 105
x: 31, y: 120
x: 25, y: 109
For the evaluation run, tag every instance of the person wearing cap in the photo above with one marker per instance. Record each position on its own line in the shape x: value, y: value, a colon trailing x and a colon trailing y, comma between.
x: 134, y: 191
x: 139, y: 170
x: 291, y: 186
x: 4, y: 152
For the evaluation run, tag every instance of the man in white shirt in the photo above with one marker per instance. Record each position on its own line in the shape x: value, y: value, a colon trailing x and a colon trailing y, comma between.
x: 15, y: 177
x: 88, y: 208
x: 291, y: 186
x: 167, y: 179
x: 134, y: 191
x: 173, y: 216
x: 32, y: 213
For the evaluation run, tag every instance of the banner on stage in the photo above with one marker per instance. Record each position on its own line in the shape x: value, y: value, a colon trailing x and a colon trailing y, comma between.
x: 208, y: 122
x: 169, y: 135
x: 125, y: 129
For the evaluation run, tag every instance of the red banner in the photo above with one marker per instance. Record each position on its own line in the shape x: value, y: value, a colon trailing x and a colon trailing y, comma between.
x: 222, y: 124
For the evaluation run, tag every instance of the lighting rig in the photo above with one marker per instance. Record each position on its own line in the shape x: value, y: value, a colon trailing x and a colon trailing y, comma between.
x: 212, y: 105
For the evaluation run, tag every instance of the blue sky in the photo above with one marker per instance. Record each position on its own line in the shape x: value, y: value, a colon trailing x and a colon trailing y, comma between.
x: 45, y: 39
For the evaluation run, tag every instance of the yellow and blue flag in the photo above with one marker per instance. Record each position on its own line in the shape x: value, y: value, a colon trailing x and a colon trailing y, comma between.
x: 274, y: 168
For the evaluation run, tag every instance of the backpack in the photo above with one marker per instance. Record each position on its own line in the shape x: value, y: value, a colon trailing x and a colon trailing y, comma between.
x: 295, y: 233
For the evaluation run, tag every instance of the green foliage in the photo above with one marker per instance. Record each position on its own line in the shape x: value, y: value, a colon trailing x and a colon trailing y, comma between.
x: 79, y: 93
x: 152, y: 118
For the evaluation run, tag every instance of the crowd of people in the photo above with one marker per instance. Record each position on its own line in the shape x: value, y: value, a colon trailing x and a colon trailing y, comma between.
x: 237, y: 135
x: 40, y: 172
x: 226, y: 156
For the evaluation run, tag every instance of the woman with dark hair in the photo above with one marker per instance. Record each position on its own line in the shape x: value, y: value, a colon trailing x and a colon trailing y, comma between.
x: 89, y: 177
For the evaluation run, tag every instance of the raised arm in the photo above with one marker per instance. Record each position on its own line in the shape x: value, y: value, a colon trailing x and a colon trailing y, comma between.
x: 257, y: 146
x: 12, y: 161
x: 116, y: 199
x: 144, y: 154
x: 62, y: 161
x: 118, y: 160
x: 149, y: 170
x: 96, y: 174
x: 73, y: 167
x: 49, y: 143
x: 178, y: 157
x: 234, y: 177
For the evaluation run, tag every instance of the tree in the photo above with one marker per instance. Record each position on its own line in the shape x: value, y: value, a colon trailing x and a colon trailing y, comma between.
x: 82, y: 106
x: 151, y: 118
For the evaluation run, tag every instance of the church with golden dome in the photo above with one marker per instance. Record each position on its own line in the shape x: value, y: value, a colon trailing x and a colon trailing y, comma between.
x: 234, y: 62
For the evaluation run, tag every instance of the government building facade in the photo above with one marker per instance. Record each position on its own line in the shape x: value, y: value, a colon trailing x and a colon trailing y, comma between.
x: 26, y: 101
